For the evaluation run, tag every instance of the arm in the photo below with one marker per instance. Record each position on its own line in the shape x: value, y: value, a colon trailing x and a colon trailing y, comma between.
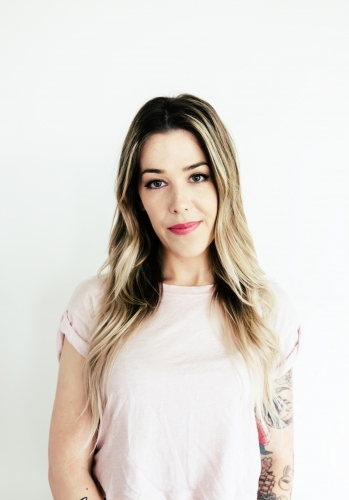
x: 276, y: 448
x: 69, y: 468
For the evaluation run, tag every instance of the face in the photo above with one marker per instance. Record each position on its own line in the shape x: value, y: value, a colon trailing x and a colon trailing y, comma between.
x: 177, y: 192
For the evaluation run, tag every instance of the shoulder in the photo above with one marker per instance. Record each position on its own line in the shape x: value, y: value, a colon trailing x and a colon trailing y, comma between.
x: 76, y: 319
x: 85, y: 297
x: 283, y: 315
x: 285, y: 322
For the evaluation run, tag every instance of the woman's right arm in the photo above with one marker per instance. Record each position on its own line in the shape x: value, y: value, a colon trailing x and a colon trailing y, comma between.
x: 69, y: 467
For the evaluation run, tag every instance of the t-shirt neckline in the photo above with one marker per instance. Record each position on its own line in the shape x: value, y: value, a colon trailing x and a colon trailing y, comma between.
x: 179, y: 289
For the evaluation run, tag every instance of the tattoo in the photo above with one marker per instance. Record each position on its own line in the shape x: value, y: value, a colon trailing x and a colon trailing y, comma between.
x: 266, y: 478
x: 285, y: 482
x: 267, y: 481
x: 263, y: 438
x: 271, y: 497
x: 283, y: 406
x: 286, y: 379
x: 263, y: 451
x: 85, y: 498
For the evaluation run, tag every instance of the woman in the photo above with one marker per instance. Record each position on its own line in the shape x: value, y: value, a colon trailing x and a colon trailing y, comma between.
x: 175, y: 379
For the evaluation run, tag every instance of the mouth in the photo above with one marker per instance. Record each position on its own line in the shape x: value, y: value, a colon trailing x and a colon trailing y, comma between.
x: 185, y: 228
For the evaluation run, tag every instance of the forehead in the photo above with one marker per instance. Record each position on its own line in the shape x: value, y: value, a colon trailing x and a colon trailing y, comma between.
x: 176, y: 148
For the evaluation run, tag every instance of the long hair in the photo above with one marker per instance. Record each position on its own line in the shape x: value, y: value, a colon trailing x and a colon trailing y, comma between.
x: 132, y: 288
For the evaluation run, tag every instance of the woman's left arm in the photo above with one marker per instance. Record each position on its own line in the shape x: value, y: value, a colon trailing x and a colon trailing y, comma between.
x: 276, y: 447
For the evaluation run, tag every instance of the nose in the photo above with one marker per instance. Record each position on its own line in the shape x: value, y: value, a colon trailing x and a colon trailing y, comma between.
x: 179, y: 201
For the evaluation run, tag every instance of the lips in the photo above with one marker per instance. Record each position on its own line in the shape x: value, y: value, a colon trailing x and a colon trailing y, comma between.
x: 186, y: 225
x: 186, y: 228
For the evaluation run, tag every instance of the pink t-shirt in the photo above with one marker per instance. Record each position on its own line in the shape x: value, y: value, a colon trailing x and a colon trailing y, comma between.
x: 179, y: 422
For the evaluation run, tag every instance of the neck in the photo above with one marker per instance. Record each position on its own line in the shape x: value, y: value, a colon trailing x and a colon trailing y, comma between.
x: 180, y: 271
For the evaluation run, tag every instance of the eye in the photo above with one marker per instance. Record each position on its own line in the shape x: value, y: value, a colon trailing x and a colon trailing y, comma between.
x: 197, y: 178
x: 154, y: 184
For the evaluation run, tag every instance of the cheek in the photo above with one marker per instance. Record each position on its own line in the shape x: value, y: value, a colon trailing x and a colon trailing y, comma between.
x: 210, y: 203
x: 154, y: 211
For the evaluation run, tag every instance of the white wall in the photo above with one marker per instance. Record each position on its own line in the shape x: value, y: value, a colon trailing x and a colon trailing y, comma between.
x: 74, y: 73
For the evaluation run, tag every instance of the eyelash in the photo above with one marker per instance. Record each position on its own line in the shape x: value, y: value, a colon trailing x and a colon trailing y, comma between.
x: 148, y: 184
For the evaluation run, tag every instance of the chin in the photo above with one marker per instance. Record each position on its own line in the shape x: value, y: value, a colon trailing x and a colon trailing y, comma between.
x: 190, y: 252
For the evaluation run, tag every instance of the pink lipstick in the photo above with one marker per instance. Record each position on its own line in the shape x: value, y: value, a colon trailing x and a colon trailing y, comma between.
x: 186, y: 228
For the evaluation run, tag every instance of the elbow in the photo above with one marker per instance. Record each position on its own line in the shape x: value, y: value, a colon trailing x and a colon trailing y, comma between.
x: 51, y: 479
x: 56, y: 479
x: 63, y: 478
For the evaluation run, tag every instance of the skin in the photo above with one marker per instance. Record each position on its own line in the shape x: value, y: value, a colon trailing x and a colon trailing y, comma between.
x: 69, y: 468
x: 183, y: 195
x: 172, y: 194
x: 276, y: 478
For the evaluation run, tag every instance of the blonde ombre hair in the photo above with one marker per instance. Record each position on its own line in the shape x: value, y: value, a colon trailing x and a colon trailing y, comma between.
x: 132, y: 288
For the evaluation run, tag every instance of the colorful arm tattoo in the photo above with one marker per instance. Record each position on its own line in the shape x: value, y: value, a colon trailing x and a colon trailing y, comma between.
x: 267, y: 482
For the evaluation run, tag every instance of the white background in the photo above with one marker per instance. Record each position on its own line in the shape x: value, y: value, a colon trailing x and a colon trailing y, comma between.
x: 73, y: 74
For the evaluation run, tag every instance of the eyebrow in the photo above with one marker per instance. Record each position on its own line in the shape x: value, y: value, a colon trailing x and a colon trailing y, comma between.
x: 158, y: 171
